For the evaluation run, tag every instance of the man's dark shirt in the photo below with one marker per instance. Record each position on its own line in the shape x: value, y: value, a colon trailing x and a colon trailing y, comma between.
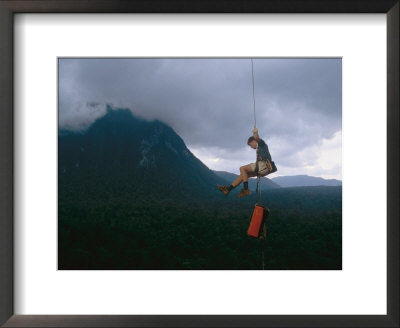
x: 262, y: 151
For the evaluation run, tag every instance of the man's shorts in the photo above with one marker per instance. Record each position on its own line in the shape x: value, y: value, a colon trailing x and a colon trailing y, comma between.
x: 262, y: 168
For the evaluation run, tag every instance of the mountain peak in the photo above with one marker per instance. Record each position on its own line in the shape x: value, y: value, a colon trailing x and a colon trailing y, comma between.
x: 148, y: 154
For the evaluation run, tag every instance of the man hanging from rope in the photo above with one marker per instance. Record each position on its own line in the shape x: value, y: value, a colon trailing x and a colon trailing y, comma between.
x: 261, y: 167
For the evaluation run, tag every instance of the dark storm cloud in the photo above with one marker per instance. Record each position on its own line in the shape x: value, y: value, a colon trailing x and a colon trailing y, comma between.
x: 209, y: 101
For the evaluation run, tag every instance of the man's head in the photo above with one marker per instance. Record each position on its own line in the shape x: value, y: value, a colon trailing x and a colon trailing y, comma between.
x: 252, y: 142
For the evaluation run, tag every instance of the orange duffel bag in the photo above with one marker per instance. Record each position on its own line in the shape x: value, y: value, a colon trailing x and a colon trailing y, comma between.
x: 260, y: 214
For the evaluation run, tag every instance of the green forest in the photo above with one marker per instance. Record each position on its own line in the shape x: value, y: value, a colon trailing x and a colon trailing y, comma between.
x: 304, y: 232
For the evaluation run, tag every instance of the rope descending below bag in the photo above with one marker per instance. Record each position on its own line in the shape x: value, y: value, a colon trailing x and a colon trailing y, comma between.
x: 262, y: 238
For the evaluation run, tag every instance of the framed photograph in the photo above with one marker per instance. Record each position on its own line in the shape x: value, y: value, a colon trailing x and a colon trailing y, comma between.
x: 185, y: 196
x: 199, y: 164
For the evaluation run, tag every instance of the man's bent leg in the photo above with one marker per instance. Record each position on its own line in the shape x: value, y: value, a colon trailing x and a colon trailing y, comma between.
x: 226, y: 189
x: 246, y: 172
x: 237, y: 181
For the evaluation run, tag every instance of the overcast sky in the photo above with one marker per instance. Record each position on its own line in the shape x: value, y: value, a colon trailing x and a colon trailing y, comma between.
x: 209, y: 103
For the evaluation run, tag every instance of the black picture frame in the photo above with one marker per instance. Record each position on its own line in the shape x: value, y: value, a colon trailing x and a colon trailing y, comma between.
x: 11, y: 7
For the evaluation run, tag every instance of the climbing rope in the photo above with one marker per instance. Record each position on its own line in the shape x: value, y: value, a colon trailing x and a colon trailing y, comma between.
x: 254, y: 98
x: 258, y: 188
